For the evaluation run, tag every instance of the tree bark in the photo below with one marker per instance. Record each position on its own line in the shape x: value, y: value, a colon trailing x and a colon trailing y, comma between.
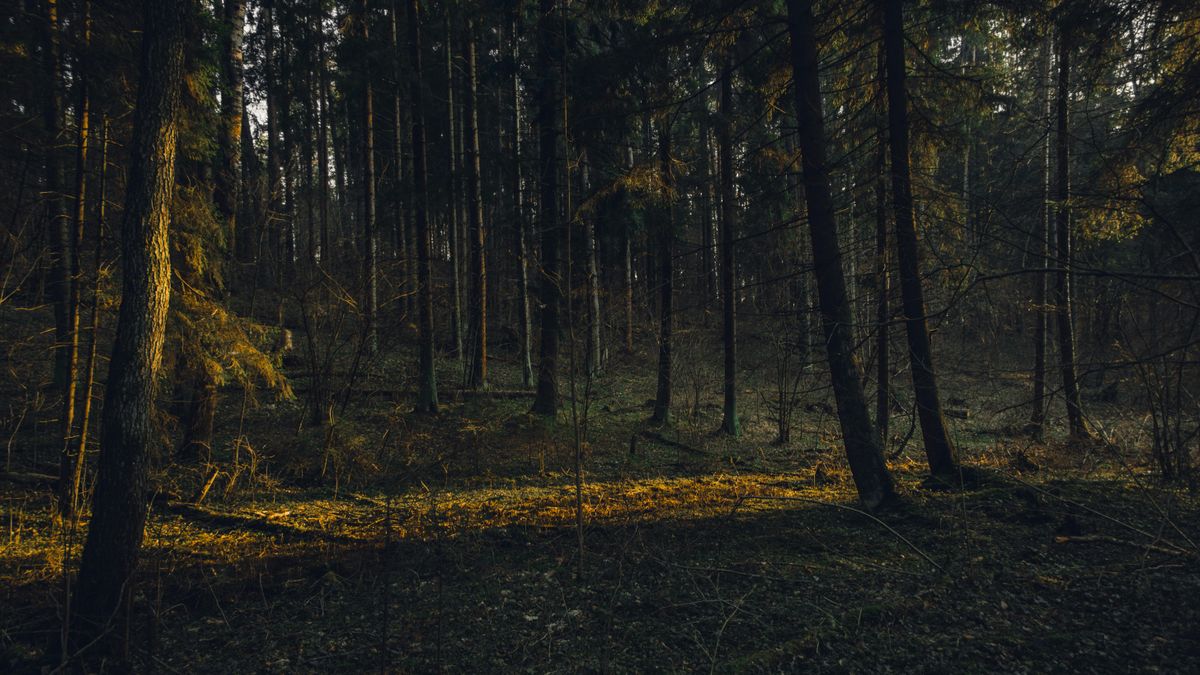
x: 1062, y: 291
x: 883, y: 360
x: 939, y: 449
x: 228, y: 183
x: 525, y: 326
x: 370, y: 239
x: 1037, y: 419
x: 128, y: 434
x: 478, y: 373
x: 546, y: 400
x: 729, y: 423
x: 666, y: 273
x: 427, y: 397
x: 452, y: 147
x: 865, y: 456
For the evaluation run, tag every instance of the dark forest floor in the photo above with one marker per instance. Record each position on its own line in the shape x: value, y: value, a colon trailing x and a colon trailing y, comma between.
x: 449, y: 543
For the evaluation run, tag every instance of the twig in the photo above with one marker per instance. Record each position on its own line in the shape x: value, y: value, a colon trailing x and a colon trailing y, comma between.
x: 842, y: 507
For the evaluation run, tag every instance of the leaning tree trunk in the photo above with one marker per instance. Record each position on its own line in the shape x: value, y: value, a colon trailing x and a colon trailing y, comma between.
x: 128, y: 432
x: 546, y: 400
x: 938, y: 447
x: 427, y: 397
x: 870, y: 473
x: 729, y: 423
x: 477, y: 375
x: 666, y: 273
x: 1062, y: 290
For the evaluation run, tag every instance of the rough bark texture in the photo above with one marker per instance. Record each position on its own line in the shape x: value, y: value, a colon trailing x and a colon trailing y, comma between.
x: 546, y: 400
x: 729, y: 423
x: 883, y: 359
x: 128, y: 434
x: 865, y: 456
x: 938, y: 447
x: 427, y: 396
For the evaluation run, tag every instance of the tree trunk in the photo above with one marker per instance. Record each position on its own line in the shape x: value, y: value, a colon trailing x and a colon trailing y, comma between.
x: 370, y: 240
x: 128, y: 432
x: 1037, y: 419
x: 593, y: 282
x: 729, y: 423
x: 546, y: 400
x: 883, y: 360
x: 666, y: 273
x: 455, y: 199
x: 938, y: 447
x: 870, y: 473
x: 427, y: 397
x: 477, y: 376
x: 58, y: 221
x: 525, y: 326
x: 66, y: 496
x: 323, y: 135
x: 1062, y: 290
x: 627, y: 246
x: 228, y: 183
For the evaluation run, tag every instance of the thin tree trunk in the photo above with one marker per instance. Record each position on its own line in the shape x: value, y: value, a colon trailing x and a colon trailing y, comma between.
x: 729, y: 423
x: 90, y: 375
x: 66, y: 494
x: 427, y: 397
x: 939, y: 449
x: 1062, y: 290
x: 323, y: 134
x: 863, y: 451
x: 58, y: 221
x: 478, y: 238
x: 519, y: 225
x: 666, y: 240
x: 370, y: 240
x: 128, y: 431
x: 455, y: 244
x: 546, y: 399
x: 627, y: 246
x: 883, y: 360
x: 593, y: 282
x: 1037, y: 420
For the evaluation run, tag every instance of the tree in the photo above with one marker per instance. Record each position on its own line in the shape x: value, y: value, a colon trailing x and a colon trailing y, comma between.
x: 370, y: 239
x: 729, y: 423
x: 665, y: 227
x: 128, y: 432
x: 1062, y: 288
x: 939, y: 449
x: 477, y: 375
x: 871, y: 476
x: 546, y: 400
x: 1037, y: 418
x: 524, y: 318
x: 427, y: 395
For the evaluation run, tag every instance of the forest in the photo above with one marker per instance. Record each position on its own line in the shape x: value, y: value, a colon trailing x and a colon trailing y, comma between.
x: 599, y: 336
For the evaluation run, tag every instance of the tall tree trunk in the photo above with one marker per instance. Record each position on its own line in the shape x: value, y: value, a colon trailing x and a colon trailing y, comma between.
x: 593, y: 281
x: 128, y: 434
x: 323, y: 133
x: 627, y: 250
x: 707, y: 243
x: 1062, y: 291
x: 938, y: 447
x: 228, y: 181
x: 399, y: 229
x: 1037, y: 419
x: 666, y: 272
x: 883, y: 360
x: 427, y: 397
x: 67, y: 498
x: 455, y: 244
x: 870, y: 473
x: 477, y: 377
x: 370, y: 240
x: 90, y: 374
x: 525, y: 326
x: 729, y: 423
x: 546, y: 400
